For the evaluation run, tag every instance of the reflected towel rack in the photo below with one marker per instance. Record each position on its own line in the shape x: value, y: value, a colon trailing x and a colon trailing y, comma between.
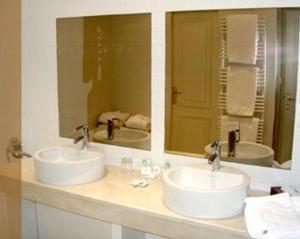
x: 261, y: 74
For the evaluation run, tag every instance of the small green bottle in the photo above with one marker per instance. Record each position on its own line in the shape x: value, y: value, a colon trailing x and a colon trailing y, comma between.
x: 167, y: 164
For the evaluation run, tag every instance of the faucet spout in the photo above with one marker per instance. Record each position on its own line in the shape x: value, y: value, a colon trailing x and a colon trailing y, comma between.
x: 15, y: 150
x: 78, y: 139
x: 212, y: 158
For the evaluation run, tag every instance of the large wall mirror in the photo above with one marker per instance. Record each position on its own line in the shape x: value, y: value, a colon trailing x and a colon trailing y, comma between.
x: 232, y: 76
x: 104, y: 78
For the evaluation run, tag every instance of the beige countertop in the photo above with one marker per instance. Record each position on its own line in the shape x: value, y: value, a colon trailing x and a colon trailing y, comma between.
x: 111, y: 199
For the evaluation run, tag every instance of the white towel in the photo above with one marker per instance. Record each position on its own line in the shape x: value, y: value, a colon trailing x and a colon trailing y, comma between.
x: 113, y: 114
x: 241, y: 90
x: 272, y: 217
x: 296, y: 203
x: 285, y: 165
x: 139, y: 122
x: 242, y: 38
x: 248, y: 127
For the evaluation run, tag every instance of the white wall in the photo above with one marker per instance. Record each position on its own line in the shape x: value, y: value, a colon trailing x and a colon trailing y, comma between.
x: 39, y: 82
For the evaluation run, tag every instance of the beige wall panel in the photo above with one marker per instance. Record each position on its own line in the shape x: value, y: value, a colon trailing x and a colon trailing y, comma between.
x: 10, y: 73
x: 10, y: 108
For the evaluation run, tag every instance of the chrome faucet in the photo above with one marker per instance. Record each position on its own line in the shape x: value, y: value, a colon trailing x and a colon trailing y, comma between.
x: 214, y: 159
x: 232, y: 141
x: 83, y: 137
x: 111, y: 127
x: 15, y: 150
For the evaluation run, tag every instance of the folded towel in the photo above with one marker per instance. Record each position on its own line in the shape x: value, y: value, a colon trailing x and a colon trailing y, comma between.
x: 248, y: 127
x: 139, y: 122
x: 272, y: 217
x: 296, y: 203
x: 242, y: 38
x: 228, y: 124
x: 113, y: 114
x: 241, y: 90
x: 285, y: 165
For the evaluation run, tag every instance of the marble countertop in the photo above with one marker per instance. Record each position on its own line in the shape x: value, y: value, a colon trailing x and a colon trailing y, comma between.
x: 111, y: 199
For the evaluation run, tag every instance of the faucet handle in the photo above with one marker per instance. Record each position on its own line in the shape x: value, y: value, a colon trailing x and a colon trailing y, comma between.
x: 83, y: 127
x: 216, y: 147
x: 84, y: 136
x: 238, y: 135
x: 215, y: 144
x: 85, y: 130
x: 117, y: 122
x: 110, y: 122
x: 234, y: 135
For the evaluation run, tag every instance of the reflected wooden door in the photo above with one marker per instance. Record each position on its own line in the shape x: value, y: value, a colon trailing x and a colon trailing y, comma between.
x: 290, y: 73
x: 194, y: 88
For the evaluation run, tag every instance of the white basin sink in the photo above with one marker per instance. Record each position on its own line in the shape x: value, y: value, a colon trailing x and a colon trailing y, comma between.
x: 247, y: 153
x: 199, y: 193
x: 125, y: 137
x: 60, y: 165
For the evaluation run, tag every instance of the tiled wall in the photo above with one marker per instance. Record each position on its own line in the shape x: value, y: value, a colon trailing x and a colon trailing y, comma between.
x: 39, y: 102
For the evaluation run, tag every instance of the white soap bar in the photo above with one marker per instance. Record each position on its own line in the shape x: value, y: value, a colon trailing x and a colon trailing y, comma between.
x: 139, y: 183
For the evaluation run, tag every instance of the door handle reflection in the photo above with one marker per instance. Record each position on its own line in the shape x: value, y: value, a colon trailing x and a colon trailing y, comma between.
x: 175, y: 93
x: 288, y: 101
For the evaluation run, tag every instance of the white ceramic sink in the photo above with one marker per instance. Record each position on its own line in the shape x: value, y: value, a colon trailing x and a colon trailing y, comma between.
x: 247, y: 152
x: 125, y: 137
x: 59, y: 165
x: 199, y: 193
